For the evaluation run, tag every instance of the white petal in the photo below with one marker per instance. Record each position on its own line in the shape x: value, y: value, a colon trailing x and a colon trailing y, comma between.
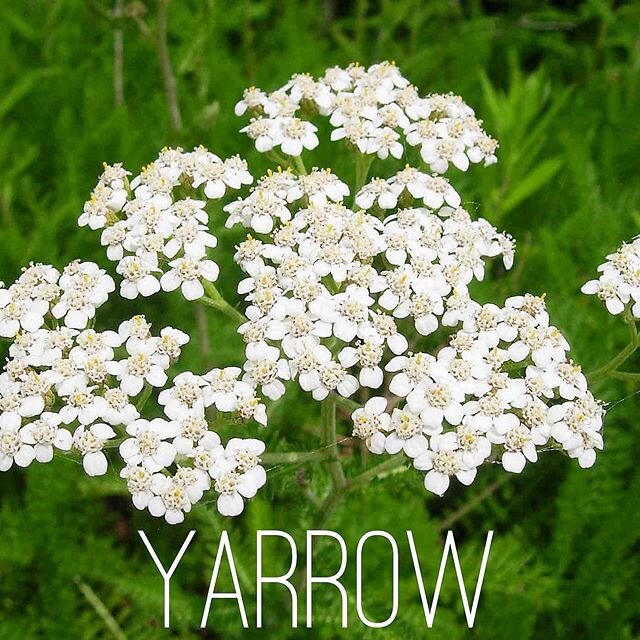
x: 165, y: 455
x: 170, y: 281
x: 614, y: 306
x: 25, y: 456
x: 376, y: 405
x: 590, y: 287
x: 398, y: 343
x: 63, y: 440
x: 156, y: 507
x: 230, y: 505
x: 148, y: 285
x: 436, y: 482
x: 95, y: 464
x: 44, y: 452
x: 416, y: 446
x: 587, y: 458
x: 371, y: 377
x: 513, y: 461
x: 192, y: 289
x: 376, y: 443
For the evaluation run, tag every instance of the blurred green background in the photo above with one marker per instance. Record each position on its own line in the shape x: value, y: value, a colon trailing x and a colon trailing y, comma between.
x: 557, y: 83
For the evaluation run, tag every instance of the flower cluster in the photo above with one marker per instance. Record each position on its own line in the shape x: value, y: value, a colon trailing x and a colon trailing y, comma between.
x: 156, y: 226
x: 619, y: 281
x: 350, y: 291
x: 70, y: 388
x: 502, y: 387
x: 70, y: 297
x: 332, y: 290
x: 339, y: 288
x: 376, y: 110
x: 183, y: 439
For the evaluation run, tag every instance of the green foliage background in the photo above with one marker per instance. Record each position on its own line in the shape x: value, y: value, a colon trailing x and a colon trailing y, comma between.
x: 557, y: 83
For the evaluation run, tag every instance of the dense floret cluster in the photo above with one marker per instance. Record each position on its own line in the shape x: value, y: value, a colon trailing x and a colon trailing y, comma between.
x: 618, y: 285
x: 375, y: 110
x: 359, y: 292
x: 158, y: 235
x: 69, y: 388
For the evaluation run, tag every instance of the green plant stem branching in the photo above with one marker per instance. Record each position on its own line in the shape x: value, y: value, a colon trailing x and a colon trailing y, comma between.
x: 144, y: 396
x: 610, y: 369
x: 294, y: 457
x: 338, y: 479
x: 214, y: 299
x: 298, y: 163
x: 168, y: 76
x: 363, y: 164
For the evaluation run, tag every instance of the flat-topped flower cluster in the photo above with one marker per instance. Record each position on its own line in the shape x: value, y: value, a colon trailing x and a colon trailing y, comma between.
x: 158, y: 237
x: 335, y: 295
x: 67, y: 387
x: 375, y: 110
x: 333, y: 279
x: 351, y: 291
x: 465, y: 406
x: 618, y: 285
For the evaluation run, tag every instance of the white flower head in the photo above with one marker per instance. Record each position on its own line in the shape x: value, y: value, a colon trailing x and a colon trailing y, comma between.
x: 443, y: 460
x: 371, y: 423
x: 90, y: 442
x: 148, y: 445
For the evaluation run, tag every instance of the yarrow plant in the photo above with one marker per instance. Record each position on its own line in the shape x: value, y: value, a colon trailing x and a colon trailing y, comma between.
x: 357, y: 289
x: 618, y: 288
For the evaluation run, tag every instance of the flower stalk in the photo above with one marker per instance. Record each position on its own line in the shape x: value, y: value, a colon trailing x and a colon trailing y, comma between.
x: 329, y: 427
x: 363, y: 164
x: 299, y: 165
x: 610, y: 369
x: 216, y: 300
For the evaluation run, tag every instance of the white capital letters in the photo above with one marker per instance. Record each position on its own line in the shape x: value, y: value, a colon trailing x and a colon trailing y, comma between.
x: 394, y: 562
x: 236, y: 594
x: 166, y: 575
x: 450, y: 546
x: 284, y: 579
x: 311, y: 579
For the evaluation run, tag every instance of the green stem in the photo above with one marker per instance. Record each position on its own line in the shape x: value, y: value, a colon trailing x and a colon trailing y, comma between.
x: 625, y: 375
x: 327, y: 508
x: 383, y: 468
x: 115, y: 443
x: 100, y: 608
x: 168, y: 76
x: 324, y: 511
x: 337, y: 493
x: 278, y: 158
x: 299, y: 165
x: 633, y: 328
x: 515, y: 366
x: 363, y: 164
x: 488, y: 491
x: 610, y: 367
x: 329, y: 427
x: 118, y: 56
x: 347, y: 403
x: 215, y: 300
x: 203, y: 335
x: 146, y: 394
x: 338, y: 480
x: 294, y: 457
